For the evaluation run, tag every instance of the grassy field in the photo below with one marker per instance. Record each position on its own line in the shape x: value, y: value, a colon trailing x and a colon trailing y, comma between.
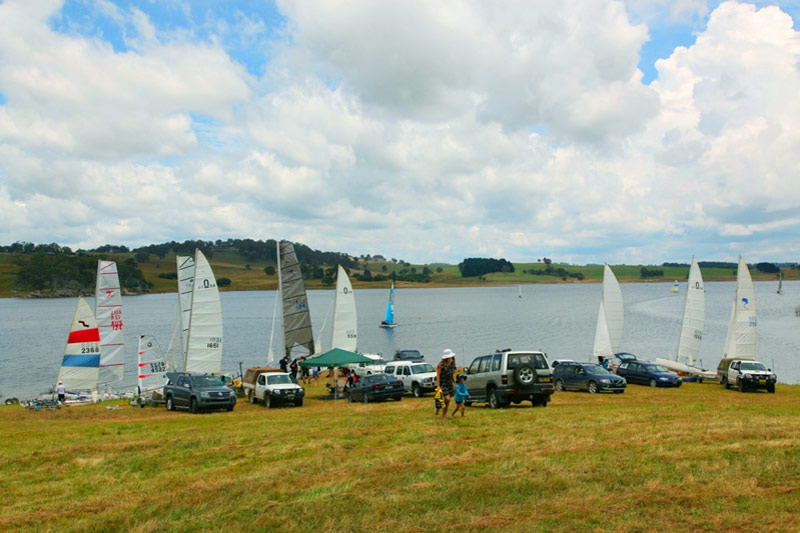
x: 688, y: 459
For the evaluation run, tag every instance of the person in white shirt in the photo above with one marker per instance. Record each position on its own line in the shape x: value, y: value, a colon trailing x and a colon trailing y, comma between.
x: 61, y: 390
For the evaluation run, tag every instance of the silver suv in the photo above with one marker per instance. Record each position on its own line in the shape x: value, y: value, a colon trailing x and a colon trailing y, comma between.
x: 510, y: 376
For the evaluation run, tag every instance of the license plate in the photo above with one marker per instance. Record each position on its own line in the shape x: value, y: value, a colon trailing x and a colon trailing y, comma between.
x: 762, y: 380
x: 544, y: 379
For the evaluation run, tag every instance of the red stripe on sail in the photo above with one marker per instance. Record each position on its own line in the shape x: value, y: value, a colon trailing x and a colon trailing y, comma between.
x: 84, y: 335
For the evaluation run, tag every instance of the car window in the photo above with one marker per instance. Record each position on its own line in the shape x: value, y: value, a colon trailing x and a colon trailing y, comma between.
x: 752, y: 366
x: 536, y: 360
x: 496, y: 362
x: 261, y: 379
x: 180, y: 381
x: 485, y: 363
x: 389, y: 370
x: 406, y: 371
x: 625, y: 366
x: 422, y: 369
x: 279, y: 379
x: 579, y: 370
x: 473, y: 368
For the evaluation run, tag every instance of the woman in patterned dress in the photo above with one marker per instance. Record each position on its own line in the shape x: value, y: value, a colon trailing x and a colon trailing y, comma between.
x: 446, y: 377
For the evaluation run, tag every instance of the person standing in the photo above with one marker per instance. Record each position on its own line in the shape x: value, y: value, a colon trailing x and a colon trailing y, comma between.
x: 446, y: 378
x: 462, y: 394
x: 284, y: 363
x: 61, y: 390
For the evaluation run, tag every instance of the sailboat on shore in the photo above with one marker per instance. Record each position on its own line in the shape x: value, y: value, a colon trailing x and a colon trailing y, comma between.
x: 297, y: 331
x: 80, y: 364
x: 740, y: 342
x: 344, y: 333
x: 692, y: 325
x: 108, y: 313
x: 608, y: 335
x: 388, y: 319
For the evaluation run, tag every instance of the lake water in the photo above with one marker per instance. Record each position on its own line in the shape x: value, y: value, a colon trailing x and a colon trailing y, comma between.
x: 559, y: 319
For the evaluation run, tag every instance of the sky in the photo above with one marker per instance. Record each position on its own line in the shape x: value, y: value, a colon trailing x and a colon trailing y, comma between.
x: 636, y: 131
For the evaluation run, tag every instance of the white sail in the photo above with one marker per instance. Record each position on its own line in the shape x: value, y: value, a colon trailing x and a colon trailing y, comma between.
x: 345, y: 322
x: 296, y: 318
x: 204, y: 341
x: 80, y: 365
x: 108, y: 312
x: 152, y: 365
x: 694, y: 315
x: 607, y: 340
x: 602, y: 343
x: 186, y: 269
x: 743, y: 324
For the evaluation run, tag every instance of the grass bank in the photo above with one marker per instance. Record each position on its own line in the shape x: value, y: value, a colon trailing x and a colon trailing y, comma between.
x: 695, y: 458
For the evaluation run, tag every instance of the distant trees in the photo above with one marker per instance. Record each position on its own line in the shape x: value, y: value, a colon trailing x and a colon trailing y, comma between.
x: 479, y: 266
x: 73, y: 272
x: 767, y: 268
x: 223, y: 282
x: 645, y: 273
x: 269, y: 270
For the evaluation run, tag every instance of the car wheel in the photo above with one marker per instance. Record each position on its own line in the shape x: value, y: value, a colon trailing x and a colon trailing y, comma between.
x: 267, y: 400
x: 771, y: 388
x: 699, y: 379
x: 653, y: 383
x: 619, y: 391
x: 724, y: 382
x: 230, y: 408
x: 349, y: 397
x: 251, y: 396
x: 193, y: 407
x: 298, y: 402
x: 559, y: 385
x: 525, y: 375
x: 416, y: 390
x: 740, y: 383
x: 170, y: 404
x: 494, y: 399
x: 592, y: 387
x: 398, y: 398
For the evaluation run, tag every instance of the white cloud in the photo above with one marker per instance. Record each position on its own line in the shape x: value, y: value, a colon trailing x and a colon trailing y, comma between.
x: 519, y: 130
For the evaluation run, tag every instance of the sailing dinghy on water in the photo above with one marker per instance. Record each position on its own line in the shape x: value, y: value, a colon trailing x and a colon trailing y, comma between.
x: 692, y: 325
x: 388, y: 319
x: 108, y: 312
x: 80, y: 365
x: 608, y: 335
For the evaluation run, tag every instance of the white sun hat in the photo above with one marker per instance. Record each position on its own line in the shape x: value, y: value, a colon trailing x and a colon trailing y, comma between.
x: 448, y: 353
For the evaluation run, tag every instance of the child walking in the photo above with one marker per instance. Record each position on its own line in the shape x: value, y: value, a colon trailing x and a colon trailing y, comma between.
x: 438, y: 402
x: 461, y: 395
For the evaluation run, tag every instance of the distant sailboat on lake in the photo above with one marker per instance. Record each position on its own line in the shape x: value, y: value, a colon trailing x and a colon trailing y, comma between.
x: 388, y: 319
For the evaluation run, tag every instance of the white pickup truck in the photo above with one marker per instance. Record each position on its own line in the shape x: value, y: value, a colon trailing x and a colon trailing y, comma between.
x: 745, y: 374
x: 364, y: 369
x: 272, y: 387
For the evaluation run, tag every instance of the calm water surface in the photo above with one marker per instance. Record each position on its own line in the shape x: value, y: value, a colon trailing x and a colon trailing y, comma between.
x: 559, y: 319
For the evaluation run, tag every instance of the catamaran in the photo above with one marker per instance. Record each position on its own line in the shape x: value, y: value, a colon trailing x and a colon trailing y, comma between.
x: 198, y: 323
x: 296, y: 318
x: 692, y: 325
x: 80, y: 365
x: 608, y: 335
x: 740, y: 342
x: 108, y: 313
x: 152, y: 366
x: 388, y: 319
x: 344, y: 333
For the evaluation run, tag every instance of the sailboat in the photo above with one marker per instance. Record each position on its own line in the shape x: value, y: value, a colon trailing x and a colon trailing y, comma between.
x: 740, y: 342
x: 152, y: 366
x: 388, y: 319
x: 692, y: 325
x: 296, y: 318
x: 675, y: 286
x: 344, y: 334
x: 80, y: 365
x: 178, y: 343
x: 608, y: 335
x: 108, y: 313
x: 203, y: 347
x: 780, y: 281
x: 519, y: 289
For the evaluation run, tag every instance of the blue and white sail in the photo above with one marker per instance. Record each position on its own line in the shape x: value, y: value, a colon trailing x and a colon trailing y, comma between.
x: 740, y: 342
x: 388, y: 319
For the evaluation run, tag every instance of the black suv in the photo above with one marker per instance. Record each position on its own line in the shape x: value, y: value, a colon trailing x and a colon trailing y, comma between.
x: 197, y: 392
x: 510, y: 376
x: 586, y: 376
x: 409, y: 355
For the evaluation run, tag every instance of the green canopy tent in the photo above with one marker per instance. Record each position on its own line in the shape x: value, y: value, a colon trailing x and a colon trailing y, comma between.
x: 335, y: 358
